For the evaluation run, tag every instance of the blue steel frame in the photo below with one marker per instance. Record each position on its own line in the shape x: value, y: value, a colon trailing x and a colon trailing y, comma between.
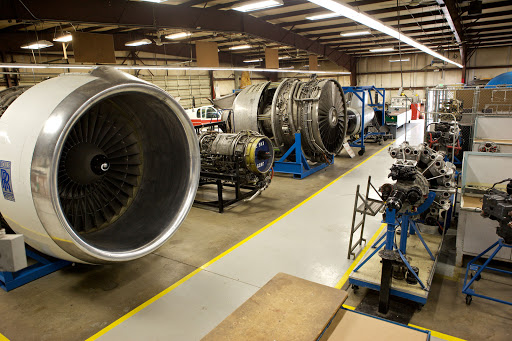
x: 479, y: 268
x: 361, y: 92
x: 387, y: 240
x: 300, y: 167
x: 43, y: 267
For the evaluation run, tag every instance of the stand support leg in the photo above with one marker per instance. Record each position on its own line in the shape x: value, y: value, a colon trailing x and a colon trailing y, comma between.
x: 385, y: 286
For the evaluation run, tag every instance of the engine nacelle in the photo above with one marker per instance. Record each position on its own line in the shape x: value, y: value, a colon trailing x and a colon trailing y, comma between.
x: 100, y: 167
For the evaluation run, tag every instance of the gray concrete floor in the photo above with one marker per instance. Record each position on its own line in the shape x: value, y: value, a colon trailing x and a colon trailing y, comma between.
x: 77, y: 302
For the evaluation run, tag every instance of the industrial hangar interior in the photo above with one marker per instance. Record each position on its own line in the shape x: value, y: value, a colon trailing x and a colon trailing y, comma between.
x: 256, y: 170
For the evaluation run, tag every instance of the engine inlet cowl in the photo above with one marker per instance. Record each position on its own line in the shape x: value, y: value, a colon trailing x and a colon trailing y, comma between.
x: 103, y: 166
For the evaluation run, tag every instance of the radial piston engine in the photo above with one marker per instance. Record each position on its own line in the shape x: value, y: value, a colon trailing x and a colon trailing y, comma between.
x: 247, y: 154
x: 417, y: 171
x: 316, y: 109
x: 497, y: 205
x: 97, y: 167
x: 445, y: 137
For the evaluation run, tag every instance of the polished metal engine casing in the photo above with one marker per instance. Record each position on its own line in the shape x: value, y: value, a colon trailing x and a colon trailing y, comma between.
x: 33, y: 132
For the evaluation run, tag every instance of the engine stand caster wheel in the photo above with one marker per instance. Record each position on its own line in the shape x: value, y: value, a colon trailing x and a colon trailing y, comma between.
x: 361, y: 152
x: 469, y: 298
x: 385, y: 138
x: 479, y: 277
x: 355, y: 287
x: 380, y: 142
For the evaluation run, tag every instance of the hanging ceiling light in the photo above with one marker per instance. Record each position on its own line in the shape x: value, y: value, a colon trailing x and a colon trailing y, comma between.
x: 323, y: 16
x: 353, y: 34
x: 383, y: 49
x: 253, y: 60
x: 364, y: 19
x: 40, y: 44
x: 66, y: 38
x: 240, y: 47
x: 399, y: 60
x: 257, y: 5
x: 138, y: 42
x: 179, y: 35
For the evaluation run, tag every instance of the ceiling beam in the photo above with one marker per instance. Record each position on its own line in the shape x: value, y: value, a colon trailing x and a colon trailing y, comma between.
x: 158, y: 16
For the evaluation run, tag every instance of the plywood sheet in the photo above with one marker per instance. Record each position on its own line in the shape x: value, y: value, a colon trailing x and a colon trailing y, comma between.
x: 93, y: 48
x: 271, y: 58
x: 354, y: 326
x: 471, y: 202
x: 207, y: 54
x: 286, y: 308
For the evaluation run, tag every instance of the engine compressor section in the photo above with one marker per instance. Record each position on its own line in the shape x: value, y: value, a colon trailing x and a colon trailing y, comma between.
x: 242, y: 161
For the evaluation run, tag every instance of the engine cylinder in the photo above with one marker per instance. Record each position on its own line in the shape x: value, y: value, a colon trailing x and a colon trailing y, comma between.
x: 103, y: 166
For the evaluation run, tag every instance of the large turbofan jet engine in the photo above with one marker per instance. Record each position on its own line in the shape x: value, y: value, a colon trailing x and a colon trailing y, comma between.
x: 96, y: 167
x: 316, y: 109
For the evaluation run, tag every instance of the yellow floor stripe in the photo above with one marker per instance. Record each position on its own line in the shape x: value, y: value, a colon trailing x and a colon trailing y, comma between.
x: 3, y: 338
x: 438, y: 334
x: 369, y: 243
x: 204, y: 266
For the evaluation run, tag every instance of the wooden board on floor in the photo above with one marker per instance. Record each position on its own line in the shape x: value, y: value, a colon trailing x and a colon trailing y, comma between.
x: 286, y: 308
x: 354, y: 326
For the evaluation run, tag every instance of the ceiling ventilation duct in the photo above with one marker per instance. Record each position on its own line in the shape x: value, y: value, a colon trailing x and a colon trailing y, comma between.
x: 97, y: 167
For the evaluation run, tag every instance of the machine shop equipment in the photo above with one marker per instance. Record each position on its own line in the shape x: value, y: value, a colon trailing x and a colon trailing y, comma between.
x: 497, y: 205
x: 316, y: 109
x: 451, y: 108
x: 423, y: 191
x: 489, y: 147
x: 97, y: 167
x: 242, y: 160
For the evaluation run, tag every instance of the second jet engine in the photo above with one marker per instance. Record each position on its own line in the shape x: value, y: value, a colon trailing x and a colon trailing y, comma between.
x: 316, y: 109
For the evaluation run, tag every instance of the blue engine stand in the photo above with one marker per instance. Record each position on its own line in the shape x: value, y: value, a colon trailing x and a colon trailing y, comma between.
x: 43, y: 267
x: 387, y: 241
x: 300, y: 167
x: 361, y: 92
x: 466, y: 288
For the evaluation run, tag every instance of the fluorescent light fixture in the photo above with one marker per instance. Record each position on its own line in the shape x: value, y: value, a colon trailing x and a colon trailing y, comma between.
x: 353, y: 34
x: 162, y: 67
x: 156, y: 1
x: 361, y: 18
x: 139, y: 42
x: 324, y: 16
x: 64, y: 38
x: 240, y: 47
x: 399, y: 60
x: 253, y: 60
x: 284, y: 57
x: 40, y: 44
x: 257, y: 5
x: 179, y: 35
x: 384, y: 49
